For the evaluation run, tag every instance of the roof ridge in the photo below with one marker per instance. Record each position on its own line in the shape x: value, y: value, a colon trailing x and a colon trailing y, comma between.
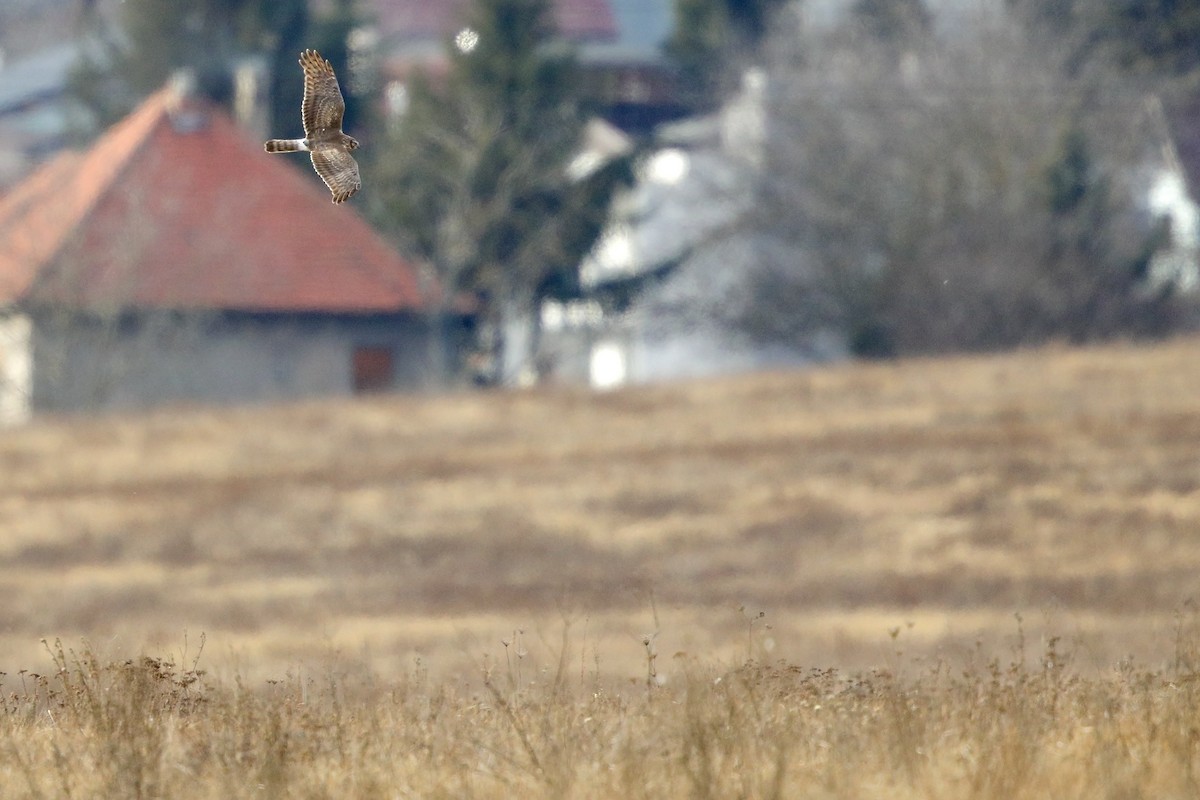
x: 143, y: 121
x: 30, y: 188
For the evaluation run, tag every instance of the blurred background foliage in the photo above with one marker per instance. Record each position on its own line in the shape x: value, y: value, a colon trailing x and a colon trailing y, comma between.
x: 934, y: 187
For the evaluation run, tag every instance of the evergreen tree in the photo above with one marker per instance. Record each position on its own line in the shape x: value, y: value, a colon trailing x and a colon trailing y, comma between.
x: 707, y: 33
x: 698, y: 48
x: 1096, y: 284
x: 291, y: 24
x: 333, y: 36
x: 475, y: 176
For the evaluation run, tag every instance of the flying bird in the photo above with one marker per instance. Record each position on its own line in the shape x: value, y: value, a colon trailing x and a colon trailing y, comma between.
x: 322, y: 112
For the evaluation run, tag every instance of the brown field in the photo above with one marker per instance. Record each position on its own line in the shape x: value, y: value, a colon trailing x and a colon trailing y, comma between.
x: 378, y: 558
x: 942, y: 496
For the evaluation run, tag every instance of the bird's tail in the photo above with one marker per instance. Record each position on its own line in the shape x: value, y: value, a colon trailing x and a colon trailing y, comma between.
x: 285, y: 145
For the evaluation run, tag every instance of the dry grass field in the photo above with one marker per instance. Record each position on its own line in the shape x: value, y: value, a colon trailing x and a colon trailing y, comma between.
x: 450, y: 596
x: 949, y: 494
x: 987, y: 731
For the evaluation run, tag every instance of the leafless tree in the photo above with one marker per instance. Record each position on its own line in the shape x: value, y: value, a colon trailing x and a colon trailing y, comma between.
x: 966, y: 191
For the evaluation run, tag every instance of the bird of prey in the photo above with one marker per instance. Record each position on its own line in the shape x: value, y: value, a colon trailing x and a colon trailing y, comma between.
x: 322, y: 111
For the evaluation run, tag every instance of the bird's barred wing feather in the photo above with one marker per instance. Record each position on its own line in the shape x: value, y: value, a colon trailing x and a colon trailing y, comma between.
x: 323, y: 105
x: 339, y: 170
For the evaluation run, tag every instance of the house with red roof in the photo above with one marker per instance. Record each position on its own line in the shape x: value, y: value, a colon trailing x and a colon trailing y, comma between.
x: 175, y: 262
x: 619, y: 44
x: 576, y: 20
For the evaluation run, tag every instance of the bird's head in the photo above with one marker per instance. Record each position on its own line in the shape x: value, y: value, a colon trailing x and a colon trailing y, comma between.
x: 351, y: 143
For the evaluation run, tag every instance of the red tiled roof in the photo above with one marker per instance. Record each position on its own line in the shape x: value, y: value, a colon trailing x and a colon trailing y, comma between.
x: 577, y: 20
x: 26, y: 229
x: 586, y: 19
x: 166, y: 214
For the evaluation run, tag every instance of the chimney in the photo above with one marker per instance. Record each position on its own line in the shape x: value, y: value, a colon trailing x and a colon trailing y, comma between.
x: 184, y: 105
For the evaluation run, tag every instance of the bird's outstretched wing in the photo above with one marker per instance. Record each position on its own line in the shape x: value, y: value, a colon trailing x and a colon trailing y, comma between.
x: 339, y: 170
x: 323, y: 105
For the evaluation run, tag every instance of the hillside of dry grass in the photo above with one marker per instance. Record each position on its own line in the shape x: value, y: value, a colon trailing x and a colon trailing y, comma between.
x: 940, y: 497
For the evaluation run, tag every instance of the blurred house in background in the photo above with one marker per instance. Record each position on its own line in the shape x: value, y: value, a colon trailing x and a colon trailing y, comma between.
x: 1174, y: 190
x: 665, y: 287
x: 174, y: 262
x: 619, y: 46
